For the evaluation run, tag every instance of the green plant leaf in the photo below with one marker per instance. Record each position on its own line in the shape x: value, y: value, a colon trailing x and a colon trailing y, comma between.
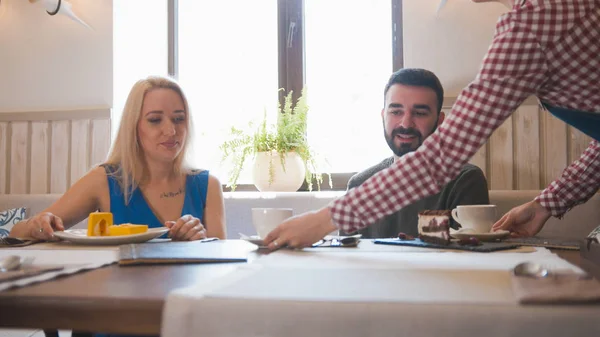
x: 288, y: 134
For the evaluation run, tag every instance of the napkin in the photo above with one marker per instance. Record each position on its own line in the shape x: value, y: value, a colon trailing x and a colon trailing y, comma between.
x: 8, y: 241
x: 26, y: 272
x: 556, y: 289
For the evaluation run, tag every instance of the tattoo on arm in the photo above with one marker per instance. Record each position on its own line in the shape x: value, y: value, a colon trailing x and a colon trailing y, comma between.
x: 171, y: 194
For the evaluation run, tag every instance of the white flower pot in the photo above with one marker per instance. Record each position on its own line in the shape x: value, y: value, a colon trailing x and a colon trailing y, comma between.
x: 288, y: 180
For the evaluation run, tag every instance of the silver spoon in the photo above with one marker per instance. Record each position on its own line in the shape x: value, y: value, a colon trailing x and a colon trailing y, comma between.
x: 535, y: 270
x: 9, y: 263
x: 337, y: 242
x: 349, y: 240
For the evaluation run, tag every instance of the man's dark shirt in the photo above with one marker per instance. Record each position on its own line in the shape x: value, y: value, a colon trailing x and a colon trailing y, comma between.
x: 468, y: 188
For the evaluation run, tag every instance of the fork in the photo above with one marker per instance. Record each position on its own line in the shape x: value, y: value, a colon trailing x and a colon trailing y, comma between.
x: 9, y: 241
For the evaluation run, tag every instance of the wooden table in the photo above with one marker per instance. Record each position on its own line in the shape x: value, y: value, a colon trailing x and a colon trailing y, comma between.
x: 110, y: 299
x: 125, y: 300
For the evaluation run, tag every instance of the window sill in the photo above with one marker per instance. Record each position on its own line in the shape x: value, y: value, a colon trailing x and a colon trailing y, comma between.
x: 283, y: 195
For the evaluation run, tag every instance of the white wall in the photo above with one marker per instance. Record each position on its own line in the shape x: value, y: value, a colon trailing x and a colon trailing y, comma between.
x: 51, y: 62
x: 451, y: 43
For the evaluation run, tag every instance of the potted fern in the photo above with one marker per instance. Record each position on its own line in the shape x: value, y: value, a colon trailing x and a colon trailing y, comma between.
x: 282, y: 158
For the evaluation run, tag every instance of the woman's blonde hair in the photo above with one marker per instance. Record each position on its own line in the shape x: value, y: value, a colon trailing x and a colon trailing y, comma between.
x: 126, y: 154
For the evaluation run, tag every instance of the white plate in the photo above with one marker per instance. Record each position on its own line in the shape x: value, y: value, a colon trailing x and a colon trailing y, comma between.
x: 465, y: 234
x: 79, y: 236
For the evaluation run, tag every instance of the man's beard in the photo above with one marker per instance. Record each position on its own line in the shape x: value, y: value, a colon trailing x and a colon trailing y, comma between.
x: 404, y: 148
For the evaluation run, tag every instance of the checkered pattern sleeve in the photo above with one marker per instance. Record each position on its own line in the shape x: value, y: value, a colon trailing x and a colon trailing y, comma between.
x: 576, y: 185
x: 512, y: 70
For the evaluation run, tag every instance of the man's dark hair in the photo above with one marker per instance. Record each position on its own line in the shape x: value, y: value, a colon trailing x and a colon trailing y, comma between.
x: 417, y: 77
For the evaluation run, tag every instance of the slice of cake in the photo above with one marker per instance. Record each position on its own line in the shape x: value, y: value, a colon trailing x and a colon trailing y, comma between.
x: 434, y: 226
x: 101, y: 224
x: 98, y: 223
x: 127, y: 229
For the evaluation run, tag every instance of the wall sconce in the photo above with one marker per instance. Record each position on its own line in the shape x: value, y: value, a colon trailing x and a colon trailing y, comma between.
x: 60, y: 7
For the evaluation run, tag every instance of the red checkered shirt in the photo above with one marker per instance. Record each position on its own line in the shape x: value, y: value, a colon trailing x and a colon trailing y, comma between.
x: 546, y: 48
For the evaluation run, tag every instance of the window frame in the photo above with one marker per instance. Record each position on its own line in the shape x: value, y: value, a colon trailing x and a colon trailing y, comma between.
x: 291, y: 65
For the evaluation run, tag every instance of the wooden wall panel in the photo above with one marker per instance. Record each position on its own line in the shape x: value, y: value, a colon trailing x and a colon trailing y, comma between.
x: 527, y: 148
x: 578, y: 143
x: 100, y: 141
x: 553, y: 148
x: 80, y: 134
x: 480, y: 159
x: 40, y: 151
x: 47, y: 151
x: 501, y: 157
x: 19, y: 141
x: 59, y: 157
x: 3, y: 157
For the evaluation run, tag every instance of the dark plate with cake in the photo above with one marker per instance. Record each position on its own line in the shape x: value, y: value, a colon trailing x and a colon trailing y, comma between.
x: 434, y: 232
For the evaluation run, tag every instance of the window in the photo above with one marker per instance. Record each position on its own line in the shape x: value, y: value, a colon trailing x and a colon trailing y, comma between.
x: 348, y: 58
x: 232, y: 56
x: 228, y: 68
x: 140, y: 47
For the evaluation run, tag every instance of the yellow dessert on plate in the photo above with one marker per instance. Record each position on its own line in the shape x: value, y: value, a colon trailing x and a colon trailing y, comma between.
x: 98, y: 223
x: 127, y: 229
x: 101, y: 224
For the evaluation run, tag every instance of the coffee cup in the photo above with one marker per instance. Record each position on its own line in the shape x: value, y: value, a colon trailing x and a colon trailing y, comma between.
x: 479, y: 218
x: 266, y: 219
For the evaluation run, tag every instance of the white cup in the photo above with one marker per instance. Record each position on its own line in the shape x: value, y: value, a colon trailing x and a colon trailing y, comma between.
x: 266, y: 219
x: 479, y: 218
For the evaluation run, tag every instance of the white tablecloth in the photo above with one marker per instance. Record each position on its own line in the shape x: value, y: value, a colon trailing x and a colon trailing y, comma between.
x: 292, y: 293
x: 74, y: 259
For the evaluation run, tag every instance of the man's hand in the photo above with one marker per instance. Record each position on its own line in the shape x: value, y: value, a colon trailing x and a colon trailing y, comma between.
x: 301, y: 231
x: 525, y: 220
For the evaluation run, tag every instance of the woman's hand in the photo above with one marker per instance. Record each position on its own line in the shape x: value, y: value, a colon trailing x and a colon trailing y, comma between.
x: 186, y: 228
x: 41, y: 227
x: 525, y: 220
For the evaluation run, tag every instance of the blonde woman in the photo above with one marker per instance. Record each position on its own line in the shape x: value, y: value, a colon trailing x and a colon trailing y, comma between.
x: 145, y: 179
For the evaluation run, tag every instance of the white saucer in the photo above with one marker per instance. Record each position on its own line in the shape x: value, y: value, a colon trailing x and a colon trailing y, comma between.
x: 255, y: 240
x: 466, y: 233
x: 79, y: 236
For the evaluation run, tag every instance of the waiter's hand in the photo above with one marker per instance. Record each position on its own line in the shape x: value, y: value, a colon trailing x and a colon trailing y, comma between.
x: 301, y: 231
x: 525, y: 220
